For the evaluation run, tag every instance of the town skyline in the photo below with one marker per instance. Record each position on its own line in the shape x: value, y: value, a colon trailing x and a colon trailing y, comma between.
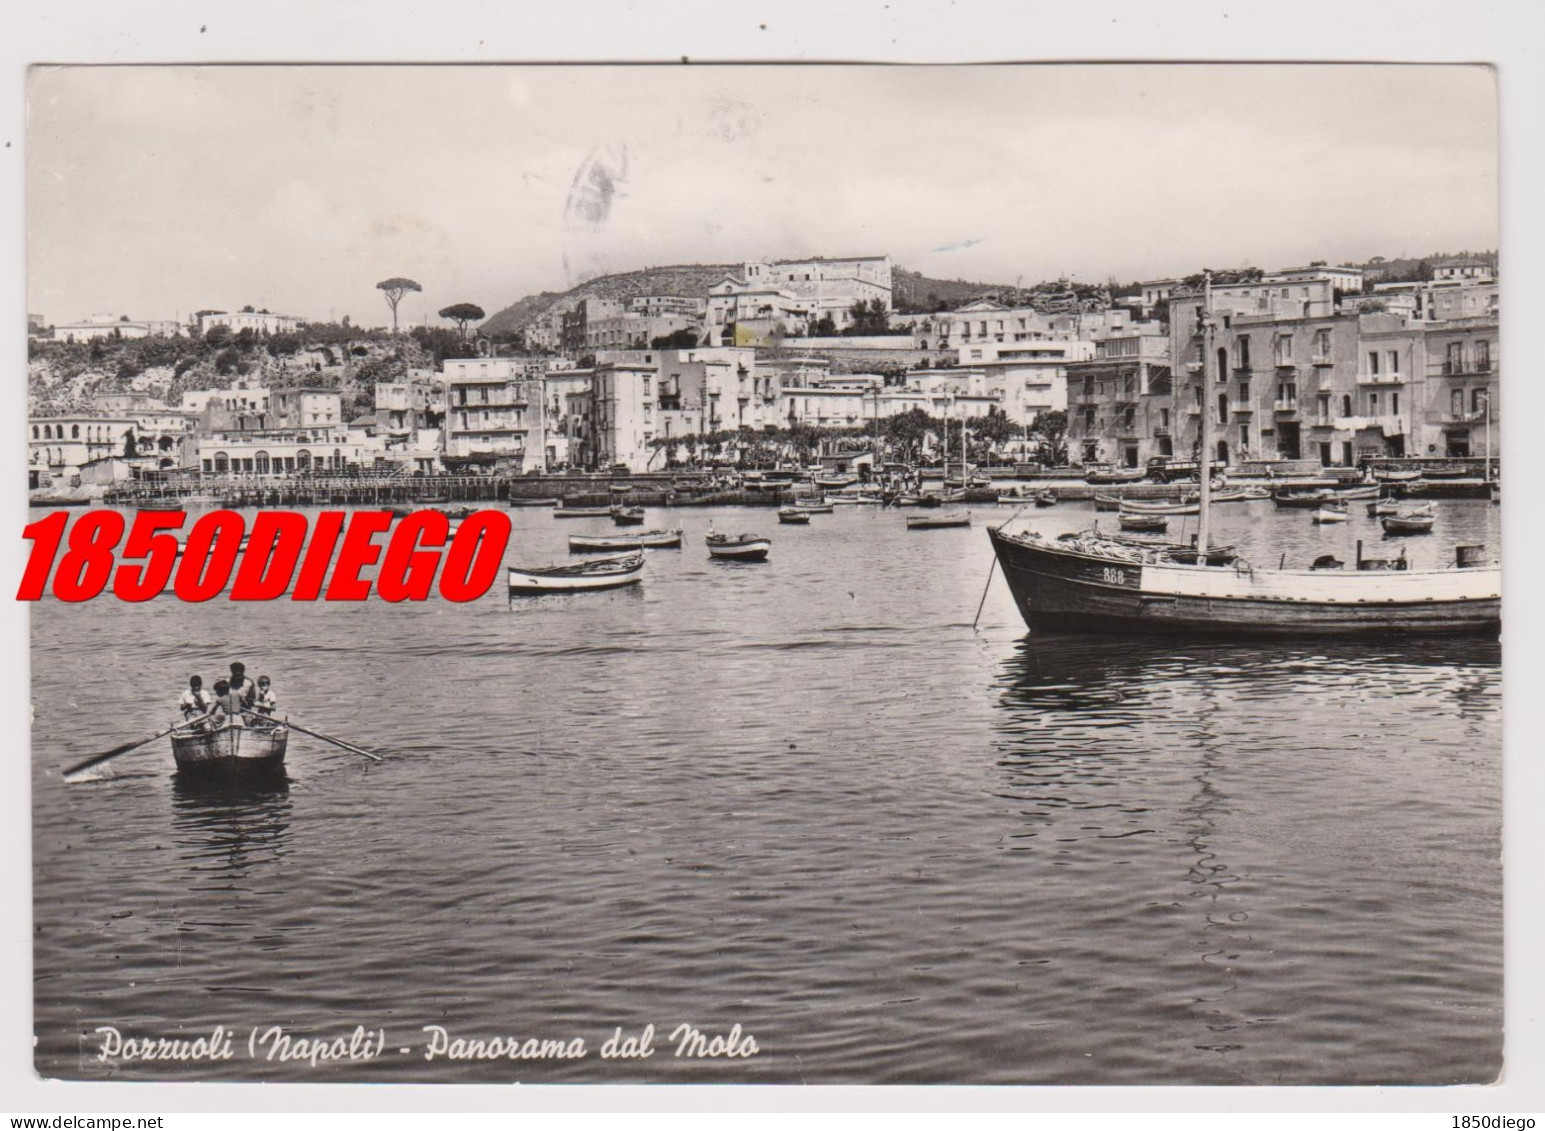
x: 191, y: 183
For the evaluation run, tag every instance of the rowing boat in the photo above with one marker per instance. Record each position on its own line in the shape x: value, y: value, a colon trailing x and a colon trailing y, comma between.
x: 1046, y: 498
x: 1304, y: 500
x: 628, y: 516
x: 793, y: 516
x: 1147, y: 523
x: 738, y: 547
x: 230, y: 752
x: 599, y: 573
x: 937, y: 521
x: 1330, y: 512
x: 646, y: 540
x: 1409, y: 522
x: 535, y: 502
x: 1132, y: 506
x: 582, y: 512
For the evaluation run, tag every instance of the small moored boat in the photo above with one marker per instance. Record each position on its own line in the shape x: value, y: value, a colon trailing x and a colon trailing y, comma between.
x: 738, y: 547
x: 230, y: 752
x: 793, y: 516
x: 1145, y: 523
x: 1107, y: 475
x: 1330, y: 512
x: 1241, y: 495
x: 647, y: 540
x: 1047, y: 498
x: 1305, y: 500
x: 1132, y: 506
x: 628, y: 516
x: 937, y: 521
x: 582, y: 512
x: 599, y: 573
x: 1409, y: 522
x: 535, y: 502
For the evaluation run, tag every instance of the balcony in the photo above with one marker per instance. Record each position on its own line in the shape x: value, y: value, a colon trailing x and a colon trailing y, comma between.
x: 1284, y: 406
x: 1283, y: 364
x: 1381, y: 379
x: 1161, y: 433
x: 1462, y: 369
x: 1457, y: 418
x: 1321, y: 360
x: 1241, y: 408
x: 1389, y: 425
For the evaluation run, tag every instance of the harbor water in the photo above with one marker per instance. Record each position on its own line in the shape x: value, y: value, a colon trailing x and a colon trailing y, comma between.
x: 804, y: 797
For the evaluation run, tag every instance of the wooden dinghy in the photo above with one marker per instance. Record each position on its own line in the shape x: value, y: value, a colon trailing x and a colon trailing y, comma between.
x: 1107, y: 502
x: 1360, y: 493
x: 628, y: 516
x: 1178, y: 551
x: 1241, y: 495
x: 646, y: 540
x: 231, y: 753
x: 793, y: 516
x: 1409, y: 522
x: 1330, y: 512
x: 536, y: 502
x: 1046, y: 499
x: 1144, y: 523
x: 1303, y: 500
x: 937, y: 521
x: 738, y: 547
x: 814, y: 506
x: 1396, y: 476
x: 600, y: 573
x: 582, y: 512
x: 834, y: 483
x: 1132, y: 506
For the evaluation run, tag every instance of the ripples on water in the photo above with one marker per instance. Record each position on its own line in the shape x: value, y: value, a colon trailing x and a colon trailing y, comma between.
x: 804, y: 797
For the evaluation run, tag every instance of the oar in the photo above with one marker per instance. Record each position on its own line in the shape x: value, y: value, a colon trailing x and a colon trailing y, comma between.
x: 293, y: 725
x: 109, y: 755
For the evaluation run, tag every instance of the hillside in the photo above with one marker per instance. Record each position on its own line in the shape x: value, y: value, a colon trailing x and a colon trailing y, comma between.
x: 913, y: 292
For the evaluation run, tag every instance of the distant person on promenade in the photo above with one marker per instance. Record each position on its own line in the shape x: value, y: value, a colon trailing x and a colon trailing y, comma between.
x: 195, y: 700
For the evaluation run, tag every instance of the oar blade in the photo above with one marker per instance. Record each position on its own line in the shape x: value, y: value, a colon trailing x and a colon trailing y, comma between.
x: 105, y: 756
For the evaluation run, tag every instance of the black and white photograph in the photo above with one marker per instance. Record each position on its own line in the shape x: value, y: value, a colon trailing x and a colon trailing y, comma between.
x: 778, y: 575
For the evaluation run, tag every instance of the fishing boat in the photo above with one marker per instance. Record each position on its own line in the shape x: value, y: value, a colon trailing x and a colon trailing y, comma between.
x: 1109, y: 475
x: 854, y: 501
x: 1394, y: 506
x: 535, y: 502
x: 938, y: 521
x: 793, y: 516
x: 1107, y: 502
x: 1392, y: 476
x: 1409, y: 522
x: 582, y: 512
x: 647, y: 540
x: 230, y: 752
x: 1448, y: 473
x: 738, y: 547
x: 1132, y: 506
x: 1047, y: 498
x: 1144, y: 523
x: 1016, y: 499
x: 1084, y: 583
x: 628, y: 516
x: 1330, y: 512
x: 1305, y: 500
x: 834, y: 482
x: 1360, y: 493
x: 456, y: 513
x: 621, y: 488
x: 596, y: 574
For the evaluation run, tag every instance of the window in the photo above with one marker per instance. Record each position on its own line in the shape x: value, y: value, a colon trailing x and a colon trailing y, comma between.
x: 1285, y: 349
x: 1483, y: 357
x: 1456, y: 358
x: 1322, y: 345
x: 261, y: 462
x: 1346, y: 405
x: 1373, y: 404
x: 1244, y: 352
x: 75, y: 431
x: 1394, y: 361
x: 1478, y: 399
x: 1164, y: 418
x: 1222, y: 408
x: 1373, y: 363
x: 1457, y: 402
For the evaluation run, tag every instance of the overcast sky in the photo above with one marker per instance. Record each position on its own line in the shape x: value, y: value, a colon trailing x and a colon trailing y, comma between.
x: 153, y: 192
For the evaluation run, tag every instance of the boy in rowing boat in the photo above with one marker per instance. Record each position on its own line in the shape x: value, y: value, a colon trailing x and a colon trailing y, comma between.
x: 195, y: 700
x: 228, y: 707
x: 266, y: 700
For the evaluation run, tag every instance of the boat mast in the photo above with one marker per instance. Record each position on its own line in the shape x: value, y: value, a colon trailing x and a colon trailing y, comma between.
x: 1204, y: 465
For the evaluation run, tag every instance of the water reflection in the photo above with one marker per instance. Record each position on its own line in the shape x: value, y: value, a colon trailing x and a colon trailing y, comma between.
x: 230, y: 832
